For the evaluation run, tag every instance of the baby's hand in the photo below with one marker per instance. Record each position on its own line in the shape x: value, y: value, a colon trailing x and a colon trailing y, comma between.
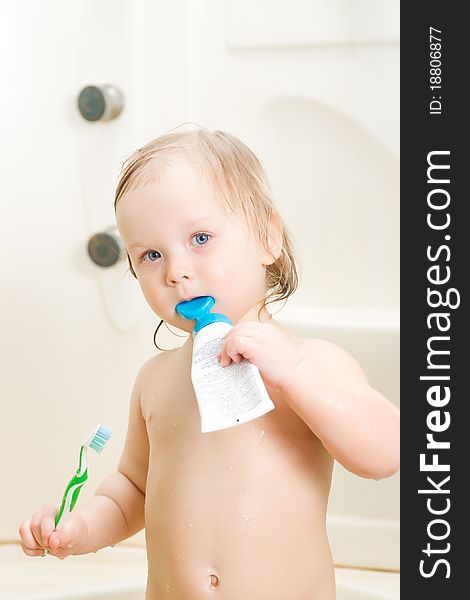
x: 39, y: 534
x: 264, y: 345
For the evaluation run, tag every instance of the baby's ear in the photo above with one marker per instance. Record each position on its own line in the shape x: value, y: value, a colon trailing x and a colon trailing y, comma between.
x: 274, y: 239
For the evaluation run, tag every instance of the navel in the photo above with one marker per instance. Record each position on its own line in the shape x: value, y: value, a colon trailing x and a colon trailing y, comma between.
x: 214, y: 582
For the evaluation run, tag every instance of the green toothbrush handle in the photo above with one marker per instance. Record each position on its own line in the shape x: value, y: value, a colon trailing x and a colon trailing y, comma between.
x: 70, y: 496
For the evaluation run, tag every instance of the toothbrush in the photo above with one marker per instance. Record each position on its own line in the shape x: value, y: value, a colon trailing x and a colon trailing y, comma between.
x: 97, y: 441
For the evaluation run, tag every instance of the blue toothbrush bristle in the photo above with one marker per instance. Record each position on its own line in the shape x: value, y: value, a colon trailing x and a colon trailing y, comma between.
x: 100, y: 438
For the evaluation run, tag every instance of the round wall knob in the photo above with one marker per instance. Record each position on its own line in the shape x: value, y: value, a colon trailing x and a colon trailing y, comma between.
x: 105, y: 248
x: 100, y: 103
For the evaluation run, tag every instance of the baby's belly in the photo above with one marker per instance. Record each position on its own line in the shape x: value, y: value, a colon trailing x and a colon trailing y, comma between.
x: 243, y: 520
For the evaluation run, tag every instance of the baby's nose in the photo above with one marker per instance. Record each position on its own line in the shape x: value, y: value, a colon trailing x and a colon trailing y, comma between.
x: 179, y: 267
x: 176, y: 275
x: 175, y: 279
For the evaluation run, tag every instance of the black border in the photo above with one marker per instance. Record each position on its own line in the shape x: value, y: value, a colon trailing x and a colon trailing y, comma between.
x: 422, y: 133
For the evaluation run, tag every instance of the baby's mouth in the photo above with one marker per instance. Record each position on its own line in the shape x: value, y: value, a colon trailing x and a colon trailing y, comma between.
x: 188, y: 298
x: 192, y: 305
x: 186, y: 302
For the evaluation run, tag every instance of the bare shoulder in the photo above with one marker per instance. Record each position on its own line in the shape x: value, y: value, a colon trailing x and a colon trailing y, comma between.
x: 157, y: 364
x: 135, y: 455
x: 332, y: 358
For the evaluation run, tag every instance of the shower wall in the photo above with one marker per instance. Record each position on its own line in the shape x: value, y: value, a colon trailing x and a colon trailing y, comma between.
x: 311, y: 85
x: 66, y: 364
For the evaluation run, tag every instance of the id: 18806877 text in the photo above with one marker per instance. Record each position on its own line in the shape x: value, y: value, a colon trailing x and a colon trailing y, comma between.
x: 435, y: 71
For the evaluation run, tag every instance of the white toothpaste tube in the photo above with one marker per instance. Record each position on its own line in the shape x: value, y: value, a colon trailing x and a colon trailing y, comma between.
x: 226, y: 396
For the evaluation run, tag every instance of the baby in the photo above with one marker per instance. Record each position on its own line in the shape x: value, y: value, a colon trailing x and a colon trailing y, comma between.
x: 239, y: 512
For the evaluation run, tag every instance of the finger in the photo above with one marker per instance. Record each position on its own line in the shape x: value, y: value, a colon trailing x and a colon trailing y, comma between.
x: 64, y: 538
x: 239, y: 344
x: 29, y: 543
x: 223, y: 358
x: 36, y: 522
x: 238, y: 348
x: 36, y: 529
x: 30, y: 552
x: 62, y: 542
x: 56, y: 539
x: 47, y: 527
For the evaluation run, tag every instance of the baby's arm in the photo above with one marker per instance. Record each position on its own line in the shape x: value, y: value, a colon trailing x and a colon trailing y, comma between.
x: 357, y: 425
x: 115, y: 512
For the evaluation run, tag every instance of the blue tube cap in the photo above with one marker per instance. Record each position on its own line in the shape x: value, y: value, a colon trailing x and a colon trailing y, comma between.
x: 198, y: 309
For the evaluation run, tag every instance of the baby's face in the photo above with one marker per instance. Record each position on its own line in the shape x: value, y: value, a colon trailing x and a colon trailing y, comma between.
x: 183, y: 245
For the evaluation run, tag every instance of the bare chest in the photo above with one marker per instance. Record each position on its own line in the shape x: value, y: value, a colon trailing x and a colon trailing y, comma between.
x: 177, y: 445
x: 216, y: 500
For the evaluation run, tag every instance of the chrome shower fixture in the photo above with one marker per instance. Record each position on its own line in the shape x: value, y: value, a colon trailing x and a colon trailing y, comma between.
x: 100, y: 103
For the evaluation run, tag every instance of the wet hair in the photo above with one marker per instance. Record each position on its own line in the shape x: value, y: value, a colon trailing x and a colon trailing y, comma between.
x: 240, y: 179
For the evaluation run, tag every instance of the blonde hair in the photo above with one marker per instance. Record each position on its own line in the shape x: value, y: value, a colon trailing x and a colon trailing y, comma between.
x: 239, y: 176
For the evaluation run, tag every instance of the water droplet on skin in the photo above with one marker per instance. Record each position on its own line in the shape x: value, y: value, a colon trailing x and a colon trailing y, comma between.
x: 230, y: 468
x: 261, y: 435
x: 174, y: 424
x: 168, y: 587
x: 248, y: 517
x: 190, y: 524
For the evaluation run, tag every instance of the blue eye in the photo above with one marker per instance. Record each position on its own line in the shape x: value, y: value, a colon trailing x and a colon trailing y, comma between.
x: 150, y: 255
x: 202, y: 235
x: 153, y: 255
